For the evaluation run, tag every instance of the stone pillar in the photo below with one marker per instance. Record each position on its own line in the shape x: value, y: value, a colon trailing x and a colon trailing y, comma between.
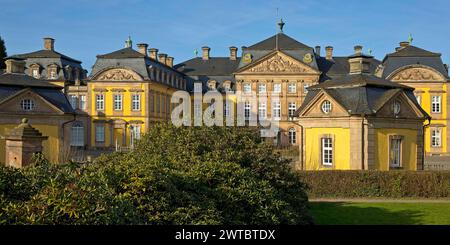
x: 21, y: 143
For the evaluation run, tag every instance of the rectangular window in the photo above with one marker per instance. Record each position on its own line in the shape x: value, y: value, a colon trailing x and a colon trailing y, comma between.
x: 327, y: 151
x: 305, y: 88
x: 436, y: 104
x: 291, y: 110
x: 77, y: 136
x: 52, y: 74
x: 262, y: 110
x: 136, y: 102
x: 136, y: 132
x: 247, y: 88
x: 73, y: 101
x: 226, y: 109
x: 395, y: 152
x: 35, y: 73
x: 292, y: 88
x: 436, y: 137
x: 276, y: 114
x: 118, y: 102
x: 100, y: 133
x: 261, y: 88
x: 158, y: 101
x: 83, y: 102
x: 151, y: 102
x: 247, y: 110
x: 163, y: 103
x: 277, y: 87
x: 100, y: 102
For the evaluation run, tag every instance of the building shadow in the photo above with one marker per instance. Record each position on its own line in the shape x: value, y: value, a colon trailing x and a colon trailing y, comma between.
x: 345, y: 213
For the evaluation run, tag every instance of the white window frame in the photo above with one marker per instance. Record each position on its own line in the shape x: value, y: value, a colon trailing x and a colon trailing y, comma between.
x: 291, y: 110
x: 73, y: 101
x: 247, y: 110
x: 326, y: 106
x: 83, y: 102
x: 277, y: 88
x: 276, y: 110
x: 262, y: 88
x: 292, y: 136
x: 292, y: 88
x: 262, y: 110
x: 226, y: 109
x: 135, y: 102
x: 247, y: 88
x: 305, y: 88
x: 327, y: 151
x: 118, y: 102
x: 100, y: 133
x: 436, y: 104
x: 395, y: 162
x: 436, y: 137
x: 27, y: 105
x: 35, y: 72
x: 100, y: 102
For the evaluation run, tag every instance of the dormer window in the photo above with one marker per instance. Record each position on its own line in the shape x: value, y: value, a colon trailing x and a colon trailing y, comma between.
x: 35, y: 70
x: 52, y: 71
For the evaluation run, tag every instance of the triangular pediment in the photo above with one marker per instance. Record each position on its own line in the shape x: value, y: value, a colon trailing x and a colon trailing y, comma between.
x: 278, y: 62
x: 314, y: 107
x: 408, y: 108
x: 13, y: 104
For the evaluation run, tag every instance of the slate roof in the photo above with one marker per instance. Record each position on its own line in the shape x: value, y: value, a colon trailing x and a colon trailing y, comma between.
x: 339, y: 66
x: 45, y: 54
x: 412, y: 55
x: 285, y: 42
x: 122, y: 54
x: 359, y: 93
x: 12, y: 83
x: 216, y: 66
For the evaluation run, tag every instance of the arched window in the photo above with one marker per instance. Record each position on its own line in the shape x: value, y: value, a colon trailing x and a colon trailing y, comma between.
x: 292, y: 136
x: 77, y: 135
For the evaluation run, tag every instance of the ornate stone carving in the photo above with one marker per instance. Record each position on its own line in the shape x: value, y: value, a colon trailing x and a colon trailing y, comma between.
x: 416, y: 74
x: 118, y: 75
x: 279, y: 63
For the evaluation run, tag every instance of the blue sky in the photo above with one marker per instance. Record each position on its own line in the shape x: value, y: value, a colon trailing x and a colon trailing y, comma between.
x: 86, y: 28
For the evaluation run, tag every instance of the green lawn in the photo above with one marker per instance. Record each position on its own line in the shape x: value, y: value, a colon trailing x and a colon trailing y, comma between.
x: 367, y: 213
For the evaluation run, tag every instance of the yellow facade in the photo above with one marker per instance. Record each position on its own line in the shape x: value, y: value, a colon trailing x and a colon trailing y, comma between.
x: 51, y: 146
x: 341, y: 157
x: 408, y: 151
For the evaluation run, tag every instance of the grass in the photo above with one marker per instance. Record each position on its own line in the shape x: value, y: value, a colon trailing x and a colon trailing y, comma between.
x: 373, y: 213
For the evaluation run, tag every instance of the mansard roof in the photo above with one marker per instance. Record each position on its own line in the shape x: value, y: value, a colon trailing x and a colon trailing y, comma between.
x: 217, y: 66
x: 122, y: 54
x: 46, y: 54
x: 412, y: 55
x: 339, y: 66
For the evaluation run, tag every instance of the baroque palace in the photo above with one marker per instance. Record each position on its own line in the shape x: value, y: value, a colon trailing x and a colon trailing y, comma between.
x: 349, y: 112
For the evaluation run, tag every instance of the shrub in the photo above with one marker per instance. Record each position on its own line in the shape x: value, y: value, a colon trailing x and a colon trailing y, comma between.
x: 386, y: 184
x: 187, y: 175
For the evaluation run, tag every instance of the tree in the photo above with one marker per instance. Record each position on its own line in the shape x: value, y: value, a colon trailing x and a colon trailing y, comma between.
x: 185, y: 175
x: 3, y: 54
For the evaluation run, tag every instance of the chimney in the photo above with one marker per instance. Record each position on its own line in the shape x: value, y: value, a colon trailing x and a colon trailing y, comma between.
x: 205, y: 53
x: 142, y: 48
x: 329, y: 52
x: 359, y: 63
x: 49, y: 43
x: 153, y: 53
x: 318, y: 50
x: 15, y: 66
x: 162, y: 58
x: 358, y: 49
x: 169, y: 61
x: 233, y: 53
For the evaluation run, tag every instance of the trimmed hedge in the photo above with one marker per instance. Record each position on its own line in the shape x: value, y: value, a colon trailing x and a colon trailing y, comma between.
x: 382, y: 184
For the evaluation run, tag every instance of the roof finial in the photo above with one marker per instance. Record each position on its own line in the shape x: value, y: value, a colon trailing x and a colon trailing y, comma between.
x: 196, y: 53
x: 281, y: 25
x: 370, y: 51
x: 410, y: 38
x: 128, y: 42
